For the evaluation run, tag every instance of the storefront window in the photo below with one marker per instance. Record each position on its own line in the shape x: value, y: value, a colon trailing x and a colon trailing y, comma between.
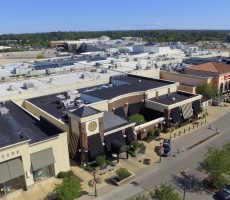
x: 12, y: 186
x: 43, y: 173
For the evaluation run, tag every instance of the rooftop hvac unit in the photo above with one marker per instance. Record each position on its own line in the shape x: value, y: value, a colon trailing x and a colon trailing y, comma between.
x: 93, y: 70
x: 28, y: 85
x: 3, y: 110
x: 103, y: 71
x: 12, y: 88
x: 60, y: 98
x: 79, y: 102
x: 67, y: 103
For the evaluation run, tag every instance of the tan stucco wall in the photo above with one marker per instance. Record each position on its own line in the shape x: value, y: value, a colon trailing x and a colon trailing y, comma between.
x: 23, y: 150
x: 186, y: 88
x: 102, y: 105
x: 38, y: 112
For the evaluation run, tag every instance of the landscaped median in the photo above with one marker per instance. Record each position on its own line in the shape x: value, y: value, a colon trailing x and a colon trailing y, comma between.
x: 122, y: 176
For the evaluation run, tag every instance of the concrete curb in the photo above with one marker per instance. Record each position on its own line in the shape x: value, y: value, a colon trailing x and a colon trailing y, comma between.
x: 202, y: 141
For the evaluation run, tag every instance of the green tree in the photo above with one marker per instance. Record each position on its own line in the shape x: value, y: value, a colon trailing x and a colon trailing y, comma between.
x: 217, y: 165
x: 207, y: 90
x: 165, y: 192
x: 138, y: 119
x: 69, y: 189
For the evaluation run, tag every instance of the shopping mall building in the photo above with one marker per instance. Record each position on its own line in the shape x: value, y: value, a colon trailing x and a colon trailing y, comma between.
x: 97, y: 119
x: 31, y: 149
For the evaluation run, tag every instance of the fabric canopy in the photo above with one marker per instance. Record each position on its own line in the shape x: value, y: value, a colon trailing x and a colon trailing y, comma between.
x: 42, y: 159
x: 95, y: 146
x: 11, y: 169
x: 111, y: 137
x: 187, y: 110
x: 134, y: 108
x: 16, y: 168
x: 130, y: 137
x: 120, y: 112
x: 176, y: 115
x: 196, y: 107
x: 4, y: 172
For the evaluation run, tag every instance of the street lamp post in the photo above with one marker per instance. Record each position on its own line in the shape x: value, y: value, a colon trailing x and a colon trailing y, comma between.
x: 95, y: 183
x: 161, y: 151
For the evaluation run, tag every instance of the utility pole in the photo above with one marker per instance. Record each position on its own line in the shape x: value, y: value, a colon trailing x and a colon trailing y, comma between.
x: 186, y: 177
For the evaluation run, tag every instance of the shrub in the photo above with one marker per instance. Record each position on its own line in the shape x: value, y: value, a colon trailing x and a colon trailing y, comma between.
x: 123, y: 173
x: 165, y: 192
x: 40, y: 56
x: 157, y: 132
x: 138, y: 119
x: 141, y: 197
x: 67, y: 174
x: 108, y: 162
x: 100, y: 160
x: 135, y: 145
x: 150, y: 134
x: 141, y: 145
x: 69, y: 189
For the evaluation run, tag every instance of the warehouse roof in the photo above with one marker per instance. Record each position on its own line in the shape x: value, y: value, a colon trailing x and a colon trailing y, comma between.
x: 18, y: 125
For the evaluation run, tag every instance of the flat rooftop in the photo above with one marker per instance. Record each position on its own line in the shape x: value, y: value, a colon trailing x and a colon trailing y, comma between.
x: 49, y: 105
x: 127, y: 84
x: 172, y: 98
x: 18, y: 126
x: 131, y: 83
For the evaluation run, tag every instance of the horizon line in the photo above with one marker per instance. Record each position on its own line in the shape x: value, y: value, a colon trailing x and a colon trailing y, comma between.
x: 116, y: 30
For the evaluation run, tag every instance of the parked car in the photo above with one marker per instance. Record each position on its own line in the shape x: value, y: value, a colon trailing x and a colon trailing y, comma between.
x: 223, y: 194
x: 167, y: 147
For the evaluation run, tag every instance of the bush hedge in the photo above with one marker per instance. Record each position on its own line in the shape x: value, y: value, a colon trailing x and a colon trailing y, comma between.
x: 123, y: 173
x: 67, y: 174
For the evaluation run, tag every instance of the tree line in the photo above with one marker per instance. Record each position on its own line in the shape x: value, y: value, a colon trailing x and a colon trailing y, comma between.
x: 43, y: 39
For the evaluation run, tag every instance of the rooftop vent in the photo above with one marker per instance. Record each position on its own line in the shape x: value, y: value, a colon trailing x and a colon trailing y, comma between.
x: 3, y: 110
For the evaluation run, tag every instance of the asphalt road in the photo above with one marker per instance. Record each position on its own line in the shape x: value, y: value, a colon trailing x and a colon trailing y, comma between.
x: 170, y: 168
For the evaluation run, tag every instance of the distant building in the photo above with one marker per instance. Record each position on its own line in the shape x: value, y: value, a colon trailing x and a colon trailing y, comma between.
x: 149, y: 48
x: 214, y: 73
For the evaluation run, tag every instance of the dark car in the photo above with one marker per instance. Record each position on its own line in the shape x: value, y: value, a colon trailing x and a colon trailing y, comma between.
x: 167, y: 147
x: 223, y: 194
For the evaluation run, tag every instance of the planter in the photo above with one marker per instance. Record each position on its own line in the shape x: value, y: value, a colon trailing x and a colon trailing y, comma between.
x: 117, y: 181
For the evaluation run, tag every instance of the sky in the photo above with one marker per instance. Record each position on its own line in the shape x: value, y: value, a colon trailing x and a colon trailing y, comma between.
x: 28, y: 16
